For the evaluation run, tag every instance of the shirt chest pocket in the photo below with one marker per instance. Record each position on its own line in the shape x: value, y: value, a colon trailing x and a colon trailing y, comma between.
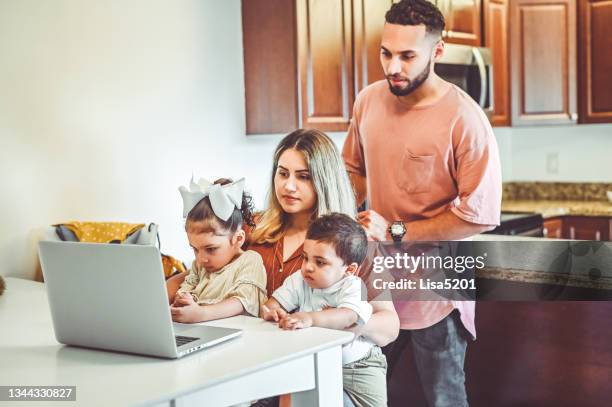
x: 416, y: 172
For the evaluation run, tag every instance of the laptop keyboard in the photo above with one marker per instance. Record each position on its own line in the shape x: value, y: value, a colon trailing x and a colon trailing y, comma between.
x: 182, y: 340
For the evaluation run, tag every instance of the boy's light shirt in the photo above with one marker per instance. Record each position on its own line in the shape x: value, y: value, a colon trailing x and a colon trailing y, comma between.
x: 296, y: 294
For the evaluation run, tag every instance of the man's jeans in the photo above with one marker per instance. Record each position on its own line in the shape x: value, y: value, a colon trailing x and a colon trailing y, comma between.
x: 439, y: 353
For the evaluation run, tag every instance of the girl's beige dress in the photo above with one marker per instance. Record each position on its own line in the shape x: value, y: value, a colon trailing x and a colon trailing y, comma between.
x: 244, y: 278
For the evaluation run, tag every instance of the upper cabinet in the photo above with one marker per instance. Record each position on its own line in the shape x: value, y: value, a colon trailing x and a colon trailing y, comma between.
x: 595, y: 50
x: 298, y: 64
x: 325, y: 55
x: 270, y: 66
x: 543, y: 61
x: 368, y: 22
x: 496, y: 38
x: 305, y: 61
x: 463, y: 21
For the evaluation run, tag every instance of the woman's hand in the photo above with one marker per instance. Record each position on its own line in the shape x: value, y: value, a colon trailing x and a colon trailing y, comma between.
x: 383, y: 326
x: 173, y: 284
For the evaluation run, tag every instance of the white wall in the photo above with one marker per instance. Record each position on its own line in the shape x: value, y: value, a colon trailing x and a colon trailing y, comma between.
x: 584, y: 153
x: 107, y: 107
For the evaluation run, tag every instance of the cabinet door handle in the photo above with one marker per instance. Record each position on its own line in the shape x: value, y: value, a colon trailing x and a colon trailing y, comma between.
x: 572, y: 233
x: 598, y: 235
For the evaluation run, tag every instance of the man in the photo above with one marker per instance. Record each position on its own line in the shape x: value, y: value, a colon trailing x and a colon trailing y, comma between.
x: 425, y: 155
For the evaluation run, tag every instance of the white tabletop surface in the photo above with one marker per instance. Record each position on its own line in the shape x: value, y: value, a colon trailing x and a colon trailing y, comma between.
x: 30, y: 355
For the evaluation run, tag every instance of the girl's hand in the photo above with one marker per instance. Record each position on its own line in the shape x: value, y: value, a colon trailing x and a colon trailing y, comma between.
x: 298, y: 320
x: 183, y: 299
x: 187, y: 314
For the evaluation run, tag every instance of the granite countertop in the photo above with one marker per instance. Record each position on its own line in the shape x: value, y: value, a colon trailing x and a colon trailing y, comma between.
x: 546, y: 277
x: 552, y: 208
x: 487, y: 237
x: 555, y: 262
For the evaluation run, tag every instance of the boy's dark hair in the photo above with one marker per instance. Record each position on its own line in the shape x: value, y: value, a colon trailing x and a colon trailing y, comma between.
x: 346, y: 236
x: 202, y: 219
x: 417, y: 12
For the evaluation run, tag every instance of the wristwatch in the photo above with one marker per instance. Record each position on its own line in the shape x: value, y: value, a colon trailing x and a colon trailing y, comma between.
x: 397, y: 230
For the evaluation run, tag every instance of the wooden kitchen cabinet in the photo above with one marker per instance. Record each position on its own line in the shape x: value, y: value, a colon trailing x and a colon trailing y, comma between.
x: 579, y: 228
x: 562, y: 361
x: 587, y: 228
x: 463, y: 21
x: 543, y: 61
x: 496, y: 39
x: 306, y: 60
x: 325, y: 55
x: 270, y: 66
x: 553, y: 228
x: 298, y: 64
x: 368, y: 23
x: 595, y: 56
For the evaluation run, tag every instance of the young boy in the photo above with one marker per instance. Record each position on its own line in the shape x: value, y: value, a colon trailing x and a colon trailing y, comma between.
x: 326, y: 293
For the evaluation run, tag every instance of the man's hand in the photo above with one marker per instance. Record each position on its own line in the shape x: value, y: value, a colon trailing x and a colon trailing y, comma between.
x: 297, y: 320
x: 274, y: 314
x: 376, y: 227
x: 188, y: 313
x: 183, y: 299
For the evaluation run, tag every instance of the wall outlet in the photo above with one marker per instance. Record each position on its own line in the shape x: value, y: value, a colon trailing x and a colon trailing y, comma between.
x: 552, y: 163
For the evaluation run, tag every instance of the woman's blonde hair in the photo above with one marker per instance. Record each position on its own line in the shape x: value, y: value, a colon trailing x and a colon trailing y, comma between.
x: 328, y: 175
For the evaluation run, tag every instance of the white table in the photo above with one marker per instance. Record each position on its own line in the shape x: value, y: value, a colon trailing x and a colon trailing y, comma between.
x: 265, y: 361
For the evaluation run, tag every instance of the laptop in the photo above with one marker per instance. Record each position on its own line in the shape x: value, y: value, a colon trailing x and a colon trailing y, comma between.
x: 113, y: 297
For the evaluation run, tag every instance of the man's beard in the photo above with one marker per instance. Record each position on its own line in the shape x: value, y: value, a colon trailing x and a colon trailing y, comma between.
x: 412, y: 84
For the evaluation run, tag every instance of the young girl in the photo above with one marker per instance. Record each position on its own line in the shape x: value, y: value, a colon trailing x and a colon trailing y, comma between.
x: 224, y: 280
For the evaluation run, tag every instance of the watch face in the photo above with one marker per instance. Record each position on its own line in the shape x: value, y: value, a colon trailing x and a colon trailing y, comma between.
x: 397, y: 229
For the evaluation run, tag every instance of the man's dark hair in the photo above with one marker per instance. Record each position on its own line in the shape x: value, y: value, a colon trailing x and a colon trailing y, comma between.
x: 346, y: 236
x: 417, y: 12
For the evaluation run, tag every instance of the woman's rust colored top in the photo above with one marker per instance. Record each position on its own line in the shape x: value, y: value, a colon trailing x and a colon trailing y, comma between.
x: 277, y: 270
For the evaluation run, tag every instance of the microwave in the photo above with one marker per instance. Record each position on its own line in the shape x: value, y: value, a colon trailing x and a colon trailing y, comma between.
x: 469, y: 68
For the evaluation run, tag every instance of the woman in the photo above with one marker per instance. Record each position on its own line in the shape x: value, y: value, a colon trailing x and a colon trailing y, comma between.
x: 308, y: 180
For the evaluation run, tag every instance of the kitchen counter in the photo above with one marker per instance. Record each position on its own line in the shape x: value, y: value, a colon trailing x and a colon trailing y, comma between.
x: 509, y: 238
x: 551, y: 209
x: 541, y: 261
x: 550, y: 278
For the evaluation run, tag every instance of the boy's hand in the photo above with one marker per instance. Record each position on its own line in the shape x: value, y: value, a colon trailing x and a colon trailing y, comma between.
x: 275, y: 314
x: 298, y: 320
x: 183, y: 299
x: 187, y: 314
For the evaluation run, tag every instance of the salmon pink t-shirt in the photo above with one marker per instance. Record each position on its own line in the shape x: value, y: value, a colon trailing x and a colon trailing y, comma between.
x: 420, y: 162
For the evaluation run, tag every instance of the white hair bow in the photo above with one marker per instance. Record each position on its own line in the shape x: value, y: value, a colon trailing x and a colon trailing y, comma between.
x: 223, y: 198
